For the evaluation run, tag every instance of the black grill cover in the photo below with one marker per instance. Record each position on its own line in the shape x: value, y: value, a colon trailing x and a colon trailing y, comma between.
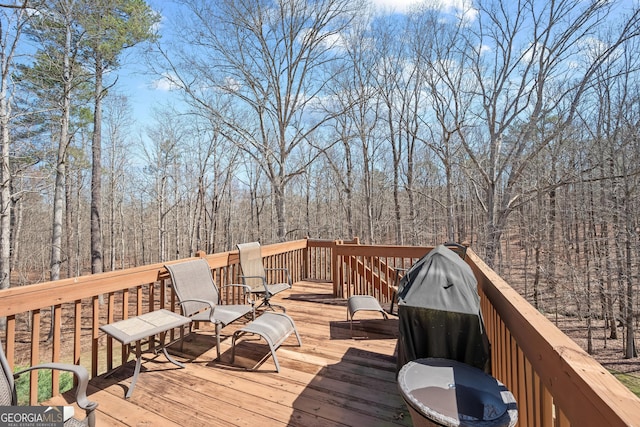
x: 439, y: 312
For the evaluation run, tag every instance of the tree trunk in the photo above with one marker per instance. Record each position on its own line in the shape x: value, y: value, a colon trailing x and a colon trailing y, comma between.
x: 5, y: 191
x: 8, y: 47
x: 536, y: 277
x: 65, y: 139
x: 348, y: 190
x: 96, y: 174
x: 630, y: 229
x: 278, y: 192
x: 68, y: 219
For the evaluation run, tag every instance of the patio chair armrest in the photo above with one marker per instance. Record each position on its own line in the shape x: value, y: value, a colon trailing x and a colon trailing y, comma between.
x: 264, y: 281
x: 246, y: 290
x: 83, y: 381
x: 286, y: 271
x: 211, y: 305
x: 204, y: 301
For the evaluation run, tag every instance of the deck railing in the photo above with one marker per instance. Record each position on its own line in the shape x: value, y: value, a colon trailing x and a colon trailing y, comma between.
x: 554, y: 381
x: 39, y: 318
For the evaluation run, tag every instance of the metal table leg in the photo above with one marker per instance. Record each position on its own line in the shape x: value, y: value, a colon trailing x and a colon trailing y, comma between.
x: 136, y: 371
x: 166, y: 353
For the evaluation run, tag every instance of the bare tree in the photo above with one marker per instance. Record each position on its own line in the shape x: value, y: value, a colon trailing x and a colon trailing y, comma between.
x: 400, y: 84
x: 59, y: 79
x: 355, y: 109
x: 118, y: 125
x: 449, y: 100
x: 12, y: 23
x: 213, y: 160
x: 517, y: 51
x: 269, y: 59
x: 612, y: 125
x: 168, y: 140
x: 110, y: 26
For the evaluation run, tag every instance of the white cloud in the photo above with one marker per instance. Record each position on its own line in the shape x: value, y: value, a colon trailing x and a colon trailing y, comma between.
x: 165, y: 83
x: 594, y: 47
x: 334, y: 41
x: 231, y: 85
x: 391, y: 6
x: 484, y: 49
x: 461, y: 8
x: 331, y: 41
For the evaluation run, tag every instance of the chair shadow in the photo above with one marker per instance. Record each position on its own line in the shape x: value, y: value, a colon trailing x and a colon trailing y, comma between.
x: 320, y: 298
x: 251, y: 354
x: 373, y: 329
x: 201, y: 341
x: 195, y: 345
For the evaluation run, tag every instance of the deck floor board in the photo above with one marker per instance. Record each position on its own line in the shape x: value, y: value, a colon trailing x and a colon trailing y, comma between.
x: 332, y: 380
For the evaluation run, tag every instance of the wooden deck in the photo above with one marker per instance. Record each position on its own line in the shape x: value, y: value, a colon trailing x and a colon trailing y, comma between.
x: 332, y: 380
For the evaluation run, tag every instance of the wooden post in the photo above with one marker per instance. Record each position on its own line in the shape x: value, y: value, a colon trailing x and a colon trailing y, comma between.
x: 335, y: 270
x: 306, y: 265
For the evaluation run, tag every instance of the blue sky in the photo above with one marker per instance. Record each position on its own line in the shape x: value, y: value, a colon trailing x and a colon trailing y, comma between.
x: 140, y: 86
x: 146, y: 92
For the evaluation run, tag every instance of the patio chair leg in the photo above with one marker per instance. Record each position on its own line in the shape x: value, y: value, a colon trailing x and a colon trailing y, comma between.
x: 265, y: 302
x: 271, y: 306
x: 218, y: 328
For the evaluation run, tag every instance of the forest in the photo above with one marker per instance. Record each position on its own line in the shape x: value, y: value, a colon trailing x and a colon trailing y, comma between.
x: 510, y: 126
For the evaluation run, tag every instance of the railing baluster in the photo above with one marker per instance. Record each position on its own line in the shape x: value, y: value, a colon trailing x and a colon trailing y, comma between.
x: 95, y: 324
x: 163, y: 295
x: 139, y: 300
x: 547, y: 406
x: 56, y: 324
x: 512, y: 384
x: 561, y: 419
x: 529, y: 408
x: 151, y: 299
x: 537, y: 399
x: 35, y: 355
x: 77, y: 331
x: 11, y: 340
x: 520, y: 391
x: 110, y: 319
x: 124, y: 355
